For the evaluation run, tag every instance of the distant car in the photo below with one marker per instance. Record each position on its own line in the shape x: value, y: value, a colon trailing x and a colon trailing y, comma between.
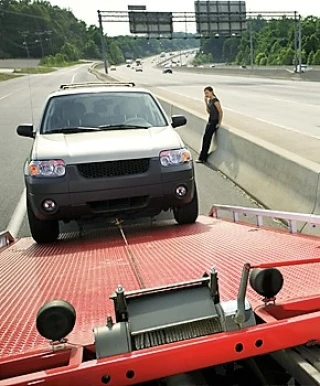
x: 105, y: 150
x: 113, y: 68
x: 167, y: 71
x: 302, y: 68
x: 139, y: 68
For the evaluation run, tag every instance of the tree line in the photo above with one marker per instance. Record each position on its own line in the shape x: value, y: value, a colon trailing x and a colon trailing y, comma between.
x: 37, y: 29
x: 273, y: 43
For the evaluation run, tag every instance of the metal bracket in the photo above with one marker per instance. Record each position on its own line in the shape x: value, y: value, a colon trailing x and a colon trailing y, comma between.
x: 6, y: 238
x: 204, y: 281
x: 120, y: 305
x: 240, y: 316
x: 290, y: 217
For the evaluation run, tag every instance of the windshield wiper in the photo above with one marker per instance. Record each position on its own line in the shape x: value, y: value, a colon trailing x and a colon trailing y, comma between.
x: 123, y: 126
x: 70, y: 130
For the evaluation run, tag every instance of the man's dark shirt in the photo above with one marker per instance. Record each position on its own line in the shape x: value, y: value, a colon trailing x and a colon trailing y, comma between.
x: 213, y: 112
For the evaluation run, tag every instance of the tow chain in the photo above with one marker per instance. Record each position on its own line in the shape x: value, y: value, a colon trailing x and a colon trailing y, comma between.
x: 132, y: 259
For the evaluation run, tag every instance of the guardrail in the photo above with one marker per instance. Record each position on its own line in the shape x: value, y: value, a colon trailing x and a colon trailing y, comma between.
x: 261, y: 72
x: 290, y: 218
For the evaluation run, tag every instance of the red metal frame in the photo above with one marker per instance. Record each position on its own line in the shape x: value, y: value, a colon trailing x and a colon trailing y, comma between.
x: 288, y: 263
x: 287, y: 324
x: 179, y: 357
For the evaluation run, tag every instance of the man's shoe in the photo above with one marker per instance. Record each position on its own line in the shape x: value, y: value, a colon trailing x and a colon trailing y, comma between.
x: 199, y: 161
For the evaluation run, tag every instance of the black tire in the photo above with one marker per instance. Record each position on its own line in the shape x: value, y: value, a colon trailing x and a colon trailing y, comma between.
x: 42, y: 231
x: 188, y: 213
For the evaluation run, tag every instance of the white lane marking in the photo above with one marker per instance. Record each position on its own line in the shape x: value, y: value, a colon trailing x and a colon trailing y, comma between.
x: 18, y: 215
x: 74, y: 77
x: 290, y: 101
x: 285, y: 100
x: 287, y: 128
x: 6, y: 96
x: 249, y: 116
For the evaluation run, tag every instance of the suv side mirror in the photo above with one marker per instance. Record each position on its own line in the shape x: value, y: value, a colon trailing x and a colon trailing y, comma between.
x: 25, y: 131
x: 178, y: 121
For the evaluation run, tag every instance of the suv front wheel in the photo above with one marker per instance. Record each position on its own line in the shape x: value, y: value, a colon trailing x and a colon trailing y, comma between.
x: 42, y: 231
x: 188, y: 213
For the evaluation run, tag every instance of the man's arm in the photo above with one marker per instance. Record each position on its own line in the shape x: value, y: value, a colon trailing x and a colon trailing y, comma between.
x: 220, y: 112
x: 206, y: 101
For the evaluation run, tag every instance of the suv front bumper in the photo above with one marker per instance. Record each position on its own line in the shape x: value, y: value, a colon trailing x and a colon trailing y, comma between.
x: 77, y: 197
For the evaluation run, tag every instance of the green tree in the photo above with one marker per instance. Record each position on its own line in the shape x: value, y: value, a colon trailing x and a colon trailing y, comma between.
x: 71, y: 52
x: 316, y: 58
x: 273, y: 42
x: 91, y: 51
x: 310, y: 58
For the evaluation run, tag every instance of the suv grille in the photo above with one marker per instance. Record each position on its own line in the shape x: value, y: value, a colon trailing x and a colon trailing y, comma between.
x: 113, y: 168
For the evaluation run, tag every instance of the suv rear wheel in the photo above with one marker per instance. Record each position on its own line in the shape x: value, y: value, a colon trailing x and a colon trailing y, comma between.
x: 42, y: 231
x: 188, y: 213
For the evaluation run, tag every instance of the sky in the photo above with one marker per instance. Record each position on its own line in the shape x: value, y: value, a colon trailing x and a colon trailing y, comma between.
x: 87, y: 10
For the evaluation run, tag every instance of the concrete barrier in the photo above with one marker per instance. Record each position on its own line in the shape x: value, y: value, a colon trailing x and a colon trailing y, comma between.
x: 276, y: 178
x: 275, y: 73
x: 19, y: 63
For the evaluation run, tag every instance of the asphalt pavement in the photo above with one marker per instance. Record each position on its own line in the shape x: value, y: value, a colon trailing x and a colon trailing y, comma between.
x: 21, y: 101
x: 283, y: 112
x: 283, y: 103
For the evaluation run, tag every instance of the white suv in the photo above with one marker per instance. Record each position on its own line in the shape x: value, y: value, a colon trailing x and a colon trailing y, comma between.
x: 106, y: 150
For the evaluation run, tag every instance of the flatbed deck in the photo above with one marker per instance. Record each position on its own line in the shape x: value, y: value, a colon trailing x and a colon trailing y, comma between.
x: 82, y: 270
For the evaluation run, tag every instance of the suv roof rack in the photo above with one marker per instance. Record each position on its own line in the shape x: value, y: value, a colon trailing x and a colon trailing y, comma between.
x: 97, y: 84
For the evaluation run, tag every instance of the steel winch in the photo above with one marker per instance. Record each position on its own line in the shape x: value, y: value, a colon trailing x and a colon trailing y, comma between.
x: 157, y: 316
x: 173, y: 313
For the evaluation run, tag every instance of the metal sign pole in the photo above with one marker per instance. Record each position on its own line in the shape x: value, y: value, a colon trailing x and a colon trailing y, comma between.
x: 251, y: 45
x: 295, y: 43
x: 300, y: 44
x: 103, y: 43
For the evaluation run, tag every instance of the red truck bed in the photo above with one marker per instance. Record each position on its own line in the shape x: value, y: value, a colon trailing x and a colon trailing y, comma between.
x: 86, y: 271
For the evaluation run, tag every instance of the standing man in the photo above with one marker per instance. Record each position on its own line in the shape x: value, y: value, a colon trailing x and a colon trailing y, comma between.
x: 215, y: 112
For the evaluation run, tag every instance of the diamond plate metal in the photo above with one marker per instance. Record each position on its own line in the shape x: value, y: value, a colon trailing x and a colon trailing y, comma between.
x: 86, y: 271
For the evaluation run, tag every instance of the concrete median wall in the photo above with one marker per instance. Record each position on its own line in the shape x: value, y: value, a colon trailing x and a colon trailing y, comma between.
x: 19, y: 63
x: 276, y: 178
x: 271, y: 73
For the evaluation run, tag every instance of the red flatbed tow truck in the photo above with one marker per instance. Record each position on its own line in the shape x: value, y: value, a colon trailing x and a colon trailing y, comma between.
x: 189, y: 305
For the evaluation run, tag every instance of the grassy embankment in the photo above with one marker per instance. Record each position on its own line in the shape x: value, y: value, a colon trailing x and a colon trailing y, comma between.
x: 4, y: 77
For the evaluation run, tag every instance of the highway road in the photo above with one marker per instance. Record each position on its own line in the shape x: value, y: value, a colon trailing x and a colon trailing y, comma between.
x: 21, y: 101
x: 284, y: 112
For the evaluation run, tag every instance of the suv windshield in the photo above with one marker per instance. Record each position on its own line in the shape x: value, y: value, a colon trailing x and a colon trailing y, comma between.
x: 107, y: 110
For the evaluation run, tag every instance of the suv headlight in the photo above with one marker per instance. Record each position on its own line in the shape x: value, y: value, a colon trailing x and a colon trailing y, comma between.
x: 175, y: 157
x: 49, y: 168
